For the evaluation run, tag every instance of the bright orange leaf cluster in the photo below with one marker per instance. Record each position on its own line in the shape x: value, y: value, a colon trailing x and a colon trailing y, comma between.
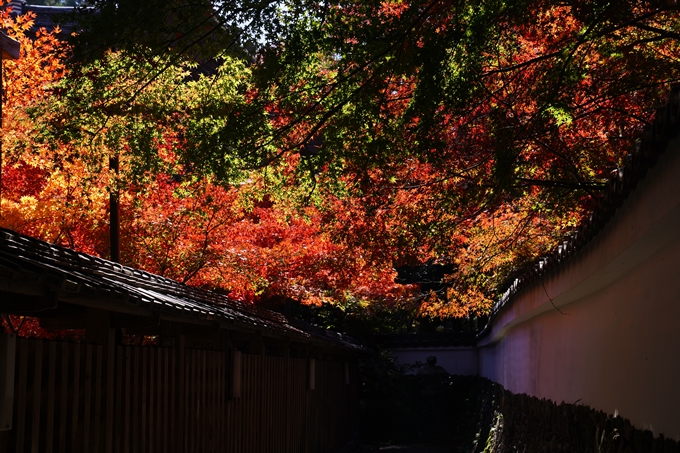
x: 484, y: 184
x: 236, y: 239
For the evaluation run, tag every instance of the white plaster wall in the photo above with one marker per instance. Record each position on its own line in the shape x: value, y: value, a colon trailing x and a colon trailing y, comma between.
x: 455, y: 360
x: 616, y: 348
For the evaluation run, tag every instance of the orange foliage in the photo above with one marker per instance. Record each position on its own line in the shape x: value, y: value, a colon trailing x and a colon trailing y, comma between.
x: 192, y: 231
x: 446, y: 202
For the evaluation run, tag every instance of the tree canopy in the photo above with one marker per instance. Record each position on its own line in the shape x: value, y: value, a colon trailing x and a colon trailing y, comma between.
x: 338, y: 142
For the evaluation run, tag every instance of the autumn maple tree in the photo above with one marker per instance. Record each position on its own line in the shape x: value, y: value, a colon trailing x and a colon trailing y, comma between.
x: 236, y: 236
x: 308, y: 152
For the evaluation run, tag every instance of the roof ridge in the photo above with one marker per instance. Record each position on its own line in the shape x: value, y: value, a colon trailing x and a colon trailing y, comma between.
x: 78, y: 272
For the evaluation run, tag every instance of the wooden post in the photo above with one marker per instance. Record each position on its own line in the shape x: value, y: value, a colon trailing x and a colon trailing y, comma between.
x: 114, y: 212
x: 312, y: 374
x: 7, y: 358
x: 180, y: 444
x: 236, y: 373
x: 110, y: 347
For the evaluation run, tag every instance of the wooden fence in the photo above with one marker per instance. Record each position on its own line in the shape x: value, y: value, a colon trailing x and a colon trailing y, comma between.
x: 73, y: 397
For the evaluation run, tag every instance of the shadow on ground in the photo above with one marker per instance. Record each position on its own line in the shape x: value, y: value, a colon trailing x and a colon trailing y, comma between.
x: 464, y: 414
x: 401, y: 449
x: 417, y: 414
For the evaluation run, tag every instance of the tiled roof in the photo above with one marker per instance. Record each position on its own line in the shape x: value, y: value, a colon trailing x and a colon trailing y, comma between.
x: 647, y: 149
x: 45, y: 16
x: 33, y: 267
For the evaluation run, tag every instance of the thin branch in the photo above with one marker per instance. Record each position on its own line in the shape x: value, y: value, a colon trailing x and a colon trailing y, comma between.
x: 551, y: 301
x: 527, y: 182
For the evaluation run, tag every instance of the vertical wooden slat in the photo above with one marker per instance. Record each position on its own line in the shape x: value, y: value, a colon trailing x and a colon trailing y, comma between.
x: 238, y: 419
x: 273, y: 409
x: 190, y: 412
x: 273, y: 429
x: 210, y: 401
x: 264, y: 420
x: 288, y: 385
x: 292, y: 403
x: 119, y: 422
x: 194, y: 407
x: 203, y: 423
x: 288, y: 391
x: 110, y: 389
x: 128, y: 397
x: 63, y: 397
x: 98, y: 397
x: 217, y: 406
x: 51, y: 383
x: 21, y: 394
x: 230, y: 403
x: 257, y: 402
x: 144, y: 395
x: 279, y: 394
x: 273, y: 398
x: 76, y: 397
x: 290, y: 394
x: 225, y: 402
x: 244, y: 402
x: 135, y: 377
x: 250, y: 402
x: 276, y: 397
x: 257, y: 397
x: 87, y: 412
x: 152, y: 400
x: 295, y: 416
x: 206, y: 421
x: 168, y: 401
x: 173, y: 412
x: 189, y: 399
x: 266, y: 404
x: 215, y: 403
x: 214, y: 400
x: 37, y: 394
x: 209, y: 418
x: 197, y: 408
x: 196, y: 402
x: 262, y: 394
x: 180, y: 371
x: 230, y: 414
x: 160, y: 378
x: 219, y: 409
x: 276, y: 439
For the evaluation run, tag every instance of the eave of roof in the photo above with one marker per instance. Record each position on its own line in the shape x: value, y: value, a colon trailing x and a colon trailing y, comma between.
x: 33, y: 267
